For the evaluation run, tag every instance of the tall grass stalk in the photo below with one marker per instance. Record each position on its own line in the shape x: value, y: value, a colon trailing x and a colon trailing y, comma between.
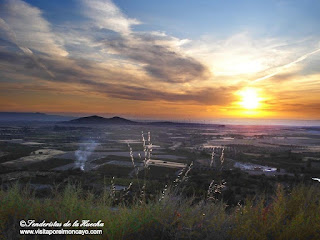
x: 288, y: 215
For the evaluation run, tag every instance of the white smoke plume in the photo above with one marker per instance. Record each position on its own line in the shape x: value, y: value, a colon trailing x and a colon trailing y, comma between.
x: 83, y: 153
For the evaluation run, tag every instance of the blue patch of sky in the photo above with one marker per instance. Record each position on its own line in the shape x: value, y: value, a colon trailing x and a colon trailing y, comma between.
x: 221, y: 18
x: 59, y: 11
x: 217, y: 18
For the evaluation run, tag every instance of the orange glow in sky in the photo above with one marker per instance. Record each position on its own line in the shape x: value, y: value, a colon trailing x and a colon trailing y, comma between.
x: 249, y: 98
x: 106, y: 58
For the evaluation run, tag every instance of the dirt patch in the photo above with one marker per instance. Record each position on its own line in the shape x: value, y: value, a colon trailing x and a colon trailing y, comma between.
x: 36, y: 156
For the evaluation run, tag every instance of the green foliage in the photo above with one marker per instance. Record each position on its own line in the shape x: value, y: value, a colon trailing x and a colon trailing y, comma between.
x: 291, y: 214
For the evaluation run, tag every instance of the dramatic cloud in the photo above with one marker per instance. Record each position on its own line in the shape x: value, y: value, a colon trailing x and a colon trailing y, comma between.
x: 158, y: 53
x: 98, y: 53
x: 244, y: 56
x: 107, y: 15
x: 160, y: 61
x: 25, y: 26
x: 12, y: 41
x: 207, y: 96
x: 110, y: 82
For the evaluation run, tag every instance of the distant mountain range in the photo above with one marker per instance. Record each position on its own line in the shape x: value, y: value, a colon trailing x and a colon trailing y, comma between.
x: 101, y: 120
x: 31, y: 117
x: 43, y: 117
x: 19, y: 117
x: 118, y: 120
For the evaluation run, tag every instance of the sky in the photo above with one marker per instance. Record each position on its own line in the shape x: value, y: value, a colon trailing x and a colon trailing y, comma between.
x: 190, y: 59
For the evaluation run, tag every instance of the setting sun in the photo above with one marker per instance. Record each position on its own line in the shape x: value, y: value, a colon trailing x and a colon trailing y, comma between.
x: 250, y: 99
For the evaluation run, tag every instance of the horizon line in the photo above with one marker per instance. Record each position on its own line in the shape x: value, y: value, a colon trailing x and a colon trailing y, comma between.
x: 227, y: 120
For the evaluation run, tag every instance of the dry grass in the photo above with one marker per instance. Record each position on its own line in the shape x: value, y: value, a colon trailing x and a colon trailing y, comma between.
x: 294, y: 215
x: 288, y: 215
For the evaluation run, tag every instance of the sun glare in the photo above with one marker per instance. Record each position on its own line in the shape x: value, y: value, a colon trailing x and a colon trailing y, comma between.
x: 249, y: 98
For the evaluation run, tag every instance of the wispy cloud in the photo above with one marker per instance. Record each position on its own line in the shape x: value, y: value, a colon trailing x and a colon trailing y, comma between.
x: 282, y: 68
x: 12, y: 37
x: 244, y: 56
x: 157, y: 53
x: 30, y: 29
x: 105, y: 14
x: 23, y: 26
x: 161, y: 61
x: 107, y: 57
x: 107, y: 82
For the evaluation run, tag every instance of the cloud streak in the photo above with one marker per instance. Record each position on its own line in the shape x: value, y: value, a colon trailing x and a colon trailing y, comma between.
x: 157, y: 53
x: 105, y: 14
x: 98, y: 54
x: 23, y: 26
x: 30, y: 29
x: 280, y: 69
x: 159, y: 60
x: 109, y: 82
x: 12, y: 37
